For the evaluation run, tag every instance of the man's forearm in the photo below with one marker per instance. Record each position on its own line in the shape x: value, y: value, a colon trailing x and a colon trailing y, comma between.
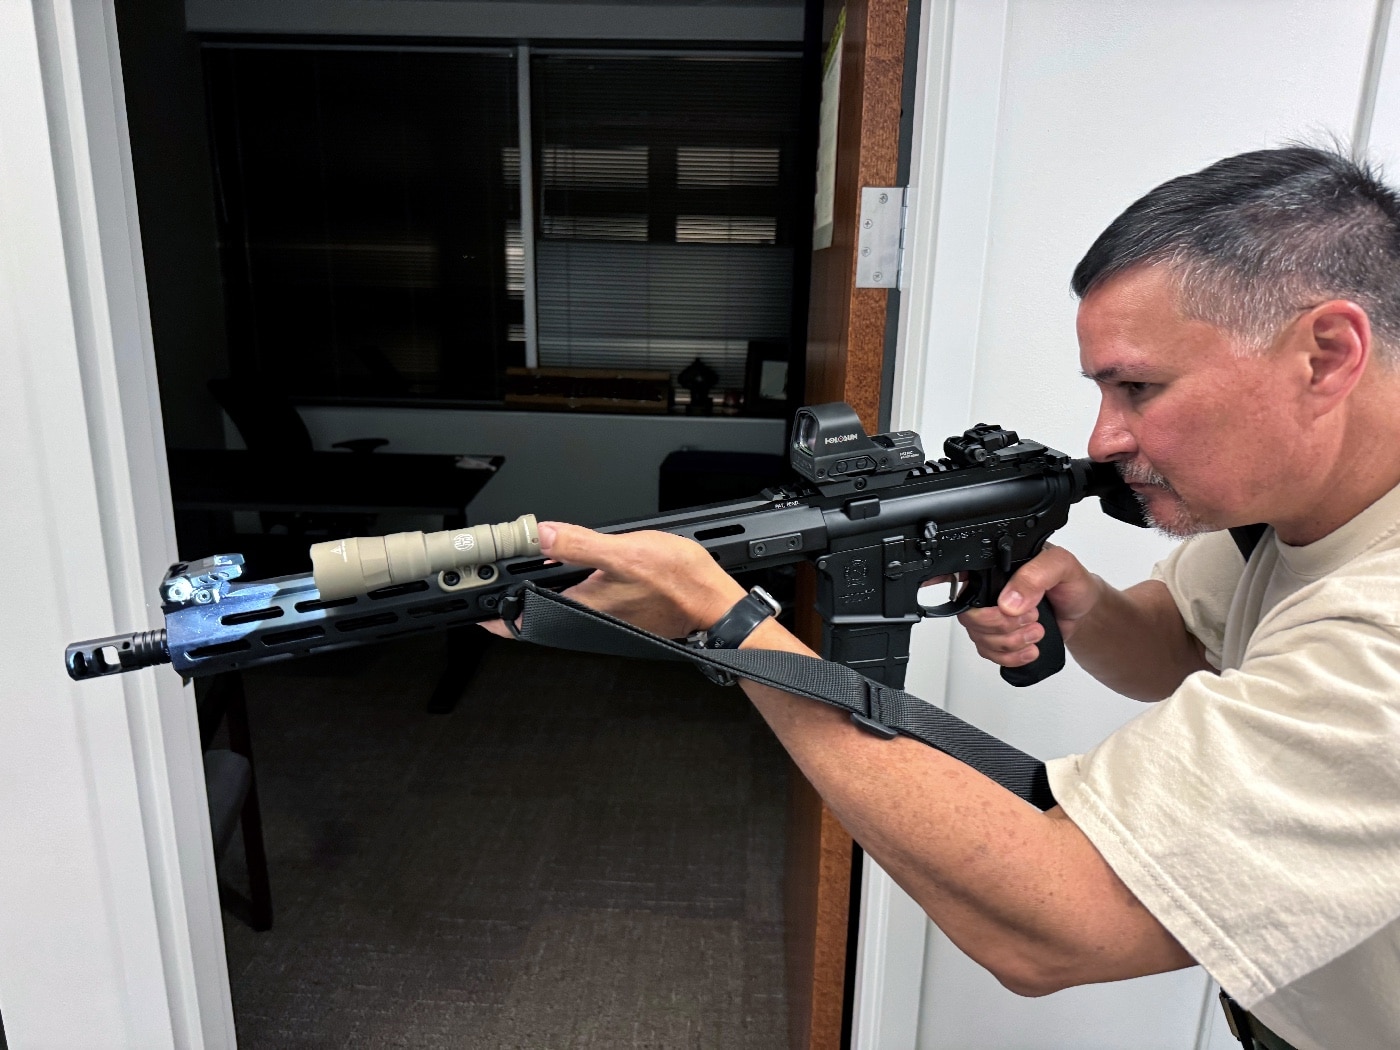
x: 1022, y: 892
x: 1135, y: 642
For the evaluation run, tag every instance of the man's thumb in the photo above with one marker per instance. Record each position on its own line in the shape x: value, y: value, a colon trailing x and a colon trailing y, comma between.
x: 1021, y: 594
x: 570, y: 544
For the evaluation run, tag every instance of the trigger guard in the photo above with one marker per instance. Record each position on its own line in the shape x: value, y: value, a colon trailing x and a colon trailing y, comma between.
x: 959, y: 603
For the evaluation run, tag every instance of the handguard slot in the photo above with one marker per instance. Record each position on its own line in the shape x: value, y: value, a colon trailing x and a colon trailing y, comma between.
x: 272, y: 612
x: 317, y: 604
x: 296, y: 634
x: 361, y: 623
x: 221, y: 649
x: 397, y: 589
x: 719, y: 532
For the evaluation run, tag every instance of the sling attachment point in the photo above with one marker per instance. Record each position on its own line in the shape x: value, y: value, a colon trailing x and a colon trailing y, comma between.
x: 718, y: 675
x: 511, y: 608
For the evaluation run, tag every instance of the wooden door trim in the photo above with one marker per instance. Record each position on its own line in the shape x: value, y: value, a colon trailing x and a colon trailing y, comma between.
x: 845, y: 357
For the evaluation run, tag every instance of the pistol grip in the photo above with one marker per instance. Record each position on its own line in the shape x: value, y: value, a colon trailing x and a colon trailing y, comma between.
x: 1052, y: 652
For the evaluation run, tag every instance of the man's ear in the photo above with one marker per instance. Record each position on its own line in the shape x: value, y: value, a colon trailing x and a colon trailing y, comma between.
x: 1337, y: 341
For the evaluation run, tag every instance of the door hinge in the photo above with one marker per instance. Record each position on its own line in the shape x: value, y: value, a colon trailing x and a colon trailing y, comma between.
x: 880, y: 236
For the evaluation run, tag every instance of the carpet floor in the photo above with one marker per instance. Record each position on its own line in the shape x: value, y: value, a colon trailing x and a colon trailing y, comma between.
x: 587, y: 853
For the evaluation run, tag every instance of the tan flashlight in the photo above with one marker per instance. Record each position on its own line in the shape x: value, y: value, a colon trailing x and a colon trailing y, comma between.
x: 361, y: 564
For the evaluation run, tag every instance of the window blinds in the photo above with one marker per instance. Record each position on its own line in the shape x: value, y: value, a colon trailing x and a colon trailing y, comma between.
x: 665, y: 207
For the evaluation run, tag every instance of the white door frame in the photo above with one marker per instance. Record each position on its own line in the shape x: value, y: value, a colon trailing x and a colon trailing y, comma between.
x: 109, y: 881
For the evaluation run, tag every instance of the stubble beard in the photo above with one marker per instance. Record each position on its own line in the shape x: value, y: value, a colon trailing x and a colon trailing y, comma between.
x: 1178, y: 522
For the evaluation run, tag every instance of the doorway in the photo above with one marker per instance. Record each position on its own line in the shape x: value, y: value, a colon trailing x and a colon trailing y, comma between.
x: 724, y: 202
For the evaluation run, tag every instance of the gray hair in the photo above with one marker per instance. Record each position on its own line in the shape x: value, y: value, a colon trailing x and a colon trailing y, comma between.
x: 1255, y: 238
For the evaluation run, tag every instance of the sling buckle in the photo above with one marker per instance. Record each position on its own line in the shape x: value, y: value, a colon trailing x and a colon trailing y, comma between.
x: 871, y: 720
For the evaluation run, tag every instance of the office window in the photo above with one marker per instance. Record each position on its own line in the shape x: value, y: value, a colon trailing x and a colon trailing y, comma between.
x: 370, y: 214
x: 365, y: 218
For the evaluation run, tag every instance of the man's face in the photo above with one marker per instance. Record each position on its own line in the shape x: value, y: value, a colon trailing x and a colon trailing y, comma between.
x: 1202, y: 432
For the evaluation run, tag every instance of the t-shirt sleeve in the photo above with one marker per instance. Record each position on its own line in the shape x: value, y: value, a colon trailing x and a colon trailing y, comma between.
x: 1254, y: 812
x: 1202, y: 574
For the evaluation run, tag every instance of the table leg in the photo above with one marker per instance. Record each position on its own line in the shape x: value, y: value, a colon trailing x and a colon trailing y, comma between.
x: 465, y: 648
x: 240, y: 740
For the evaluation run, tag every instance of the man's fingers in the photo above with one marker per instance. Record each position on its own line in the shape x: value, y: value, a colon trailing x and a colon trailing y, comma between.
x: 1019, y: 658
x: 1009, y: 653
x: 624, y: 556
x: 1010, y: 642
x: 991, y: 618
x: 1006, y: 640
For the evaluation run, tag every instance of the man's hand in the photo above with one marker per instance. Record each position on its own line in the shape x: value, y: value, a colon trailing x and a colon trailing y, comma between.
x: 1006, y: 633
x: 662, y: 583
x: 1132, y: 641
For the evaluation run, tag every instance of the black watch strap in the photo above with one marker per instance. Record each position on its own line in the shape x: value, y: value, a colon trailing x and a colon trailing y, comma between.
x: 739, y: 622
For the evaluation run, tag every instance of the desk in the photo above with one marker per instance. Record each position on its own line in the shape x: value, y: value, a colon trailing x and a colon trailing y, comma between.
x: 219, y: 481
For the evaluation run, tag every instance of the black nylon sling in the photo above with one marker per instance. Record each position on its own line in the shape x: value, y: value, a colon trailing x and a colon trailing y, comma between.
x: 553, y: 620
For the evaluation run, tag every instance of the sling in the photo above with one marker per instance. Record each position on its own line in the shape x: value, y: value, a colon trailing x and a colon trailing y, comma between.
x: 554, y: 620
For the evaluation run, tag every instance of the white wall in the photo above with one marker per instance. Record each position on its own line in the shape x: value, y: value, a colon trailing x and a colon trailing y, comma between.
x: 564, y: 466
x: 1047, y: 118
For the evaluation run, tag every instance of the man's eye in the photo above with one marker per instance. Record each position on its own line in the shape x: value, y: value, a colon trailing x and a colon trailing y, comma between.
x: 1136, y: 389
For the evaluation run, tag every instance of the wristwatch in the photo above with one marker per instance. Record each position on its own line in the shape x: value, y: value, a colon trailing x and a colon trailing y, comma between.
x: 739, y: 622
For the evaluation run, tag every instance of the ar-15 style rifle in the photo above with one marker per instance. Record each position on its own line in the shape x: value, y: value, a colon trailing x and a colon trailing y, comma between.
x: 875, y: 517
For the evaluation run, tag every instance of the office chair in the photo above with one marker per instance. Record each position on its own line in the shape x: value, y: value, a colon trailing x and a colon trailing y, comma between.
x: 267, y: 421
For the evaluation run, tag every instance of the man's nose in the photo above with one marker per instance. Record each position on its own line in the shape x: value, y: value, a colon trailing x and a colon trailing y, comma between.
x: 1110, y: 438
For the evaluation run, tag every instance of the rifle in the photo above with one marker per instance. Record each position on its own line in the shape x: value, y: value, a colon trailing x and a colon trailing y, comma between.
x: 871, y: 512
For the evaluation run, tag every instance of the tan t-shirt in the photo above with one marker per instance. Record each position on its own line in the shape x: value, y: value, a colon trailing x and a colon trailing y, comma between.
x: 1256, y: 812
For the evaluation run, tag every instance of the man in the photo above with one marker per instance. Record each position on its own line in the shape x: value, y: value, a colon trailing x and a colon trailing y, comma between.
x: 1243, y: 327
